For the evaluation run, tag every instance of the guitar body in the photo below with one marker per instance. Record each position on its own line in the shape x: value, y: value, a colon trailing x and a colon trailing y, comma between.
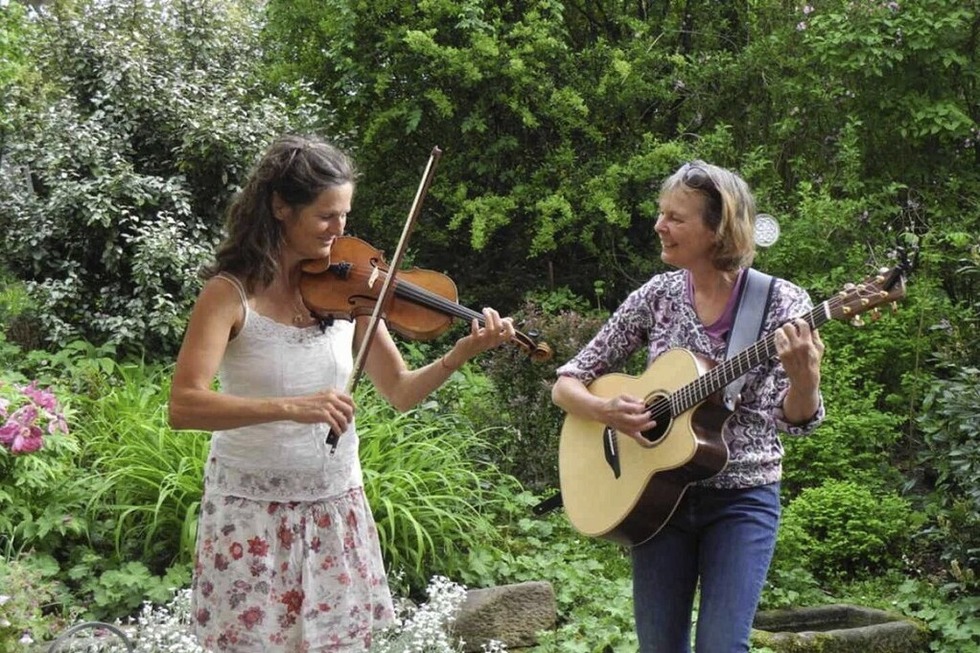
x: 614, y: 488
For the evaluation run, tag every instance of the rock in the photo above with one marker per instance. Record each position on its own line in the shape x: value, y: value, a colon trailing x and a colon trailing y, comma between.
x: 510, y: 614
x: 839, y: 628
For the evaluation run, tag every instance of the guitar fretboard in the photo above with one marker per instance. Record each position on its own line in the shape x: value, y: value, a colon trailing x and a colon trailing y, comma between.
x: 721, y: 375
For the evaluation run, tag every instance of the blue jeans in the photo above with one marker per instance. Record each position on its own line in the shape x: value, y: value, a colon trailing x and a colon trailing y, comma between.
x: 725, y: 538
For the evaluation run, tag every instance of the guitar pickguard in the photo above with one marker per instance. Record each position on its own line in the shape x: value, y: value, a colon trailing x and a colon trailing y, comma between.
x: 610, y: 450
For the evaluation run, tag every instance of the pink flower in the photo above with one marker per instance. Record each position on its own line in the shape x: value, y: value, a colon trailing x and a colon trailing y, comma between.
x: 43, y: 398
x: 21, y: 438
x: 26, y: 415
x: 27, y: 412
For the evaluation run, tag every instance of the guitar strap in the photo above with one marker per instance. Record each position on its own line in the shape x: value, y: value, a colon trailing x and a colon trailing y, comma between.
x: 750, y: 312
x: 753, y: 304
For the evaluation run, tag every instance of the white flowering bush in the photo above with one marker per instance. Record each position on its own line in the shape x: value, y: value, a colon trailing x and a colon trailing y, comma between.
x: 156, y: 629
x: 421, y: 628
x: 166, y: 629
x: 426, y: 628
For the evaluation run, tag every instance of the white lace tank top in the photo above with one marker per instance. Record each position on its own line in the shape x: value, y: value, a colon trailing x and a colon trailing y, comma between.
x: 284, y: 460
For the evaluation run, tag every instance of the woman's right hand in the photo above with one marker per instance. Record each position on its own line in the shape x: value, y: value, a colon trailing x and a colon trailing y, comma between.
x: 628, y: 415
x: 330, y: 407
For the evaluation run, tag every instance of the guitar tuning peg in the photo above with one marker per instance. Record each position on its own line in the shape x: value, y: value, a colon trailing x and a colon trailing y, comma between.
x: 894, y: 306
x: 875, y: 314
x: 857, y: 321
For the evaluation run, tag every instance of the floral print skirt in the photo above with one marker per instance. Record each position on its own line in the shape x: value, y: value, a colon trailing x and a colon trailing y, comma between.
x: 291, y: 577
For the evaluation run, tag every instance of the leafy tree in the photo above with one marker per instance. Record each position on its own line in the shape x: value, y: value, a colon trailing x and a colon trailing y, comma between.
x: 152, y: 114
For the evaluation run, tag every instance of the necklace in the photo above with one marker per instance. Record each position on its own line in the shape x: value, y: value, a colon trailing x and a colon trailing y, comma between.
x: 302, y: 315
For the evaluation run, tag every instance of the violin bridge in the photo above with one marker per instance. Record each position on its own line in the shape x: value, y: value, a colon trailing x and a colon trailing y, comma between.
x: 373, y: 278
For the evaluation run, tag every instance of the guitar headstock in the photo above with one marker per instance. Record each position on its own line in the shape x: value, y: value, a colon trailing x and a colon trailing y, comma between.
x: 886, y: 287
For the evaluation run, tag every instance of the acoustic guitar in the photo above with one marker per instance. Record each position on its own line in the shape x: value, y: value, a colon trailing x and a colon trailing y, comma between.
x: 614, y: 488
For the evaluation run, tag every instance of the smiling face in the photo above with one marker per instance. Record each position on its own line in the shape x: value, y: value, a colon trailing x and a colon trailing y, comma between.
x: 685, y: 239
x: 309, y: 231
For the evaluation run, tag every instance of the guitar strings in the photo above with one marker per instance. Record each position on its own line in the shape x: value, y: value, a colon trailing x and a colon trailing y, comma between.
x: 699, y: 389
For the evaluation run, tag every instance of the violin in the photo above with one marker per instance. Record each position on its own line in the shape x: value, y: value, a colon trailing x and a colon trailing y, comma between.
x: 421, y: 307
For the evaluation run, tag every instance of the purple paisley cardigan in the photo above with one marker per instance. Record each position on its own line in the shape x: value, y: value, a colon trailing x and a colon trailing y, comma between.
x: 660, y: 315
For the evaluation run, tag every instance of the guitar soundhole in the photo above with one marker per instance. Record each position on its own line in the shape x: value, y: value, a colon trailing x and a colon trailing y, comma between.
x: 660, y: 411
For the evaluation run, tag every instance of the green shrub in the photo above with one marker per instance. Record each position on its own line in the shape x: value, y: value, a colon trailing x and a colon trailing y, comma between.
x: 31, y: 602
x: 856, y: 441
x: 521, y: 400
x: 117, y: 166
x: 432, y: 487
x: 950, y: 422
x: 842, y: 529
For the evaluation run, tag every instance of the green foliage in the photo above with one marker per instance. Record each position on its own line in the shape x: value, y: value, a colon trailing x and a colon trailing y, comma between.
x: 789, y: 584
x: 110, y: 589
x: 431, y: 487
x: 952, y: 620
x: 521, y: 397
x: 31, y: 608
x: 519, y: 109
x: 855, y: 440
x: 15, y: 33
x: 591, y: 579
x: 114, y: 184
x: 149, y: 478
x: 841, y: 528
x: 950, y: 424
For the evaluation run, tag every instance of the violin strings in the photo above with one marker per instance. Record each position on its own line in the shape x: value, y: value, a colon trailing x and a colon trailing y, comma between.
x: 437, y: 302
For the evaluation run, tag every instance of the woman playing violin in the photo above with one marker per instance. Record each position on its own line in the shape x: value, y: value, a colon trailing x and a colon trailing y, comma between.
x: 287, y: 554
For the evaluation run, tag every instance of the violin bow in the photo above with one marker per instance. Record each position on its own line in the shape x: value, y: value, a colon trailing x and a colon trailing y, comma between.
x: 389, y: 286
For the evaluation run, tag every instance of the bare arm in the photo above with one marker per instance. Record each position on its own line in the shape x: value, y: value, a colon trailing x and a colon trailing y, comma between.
x: 404, y: 388
x: 193, y: 402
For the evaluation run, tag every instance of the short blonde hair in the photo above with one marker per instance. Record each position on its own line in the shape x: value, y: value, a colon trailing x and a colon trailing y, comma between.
x: 729, y: 210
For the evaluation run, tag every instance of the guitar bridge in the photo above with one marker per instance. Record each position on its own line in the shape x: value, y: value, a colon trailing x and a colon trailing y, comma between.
x: 610, y: 450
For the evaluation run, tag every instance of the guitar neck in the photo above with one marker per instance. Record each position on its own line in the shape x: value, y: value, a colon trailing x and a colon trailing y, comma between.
x: 721, y: 375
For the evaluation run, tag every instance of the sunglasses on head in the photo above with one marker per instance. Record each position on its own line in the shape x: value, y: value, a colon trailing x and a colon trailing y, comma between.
x: 696, y: 176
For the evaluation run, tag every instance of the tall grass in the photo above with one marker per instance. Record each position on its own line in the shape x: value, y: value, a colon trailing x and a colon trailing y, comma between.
x: 149, y: 477
x: 434, y: 492
x: 427, y: 474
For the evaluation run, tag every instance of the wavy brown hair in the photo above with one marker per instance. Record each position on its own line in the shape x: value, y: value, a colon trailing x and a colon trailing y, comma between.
x: 297, y: 168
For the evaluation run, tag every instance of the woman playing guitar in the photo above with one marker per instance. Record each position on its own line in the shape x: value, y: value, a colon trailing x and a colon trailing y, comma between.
x: 722, y: 530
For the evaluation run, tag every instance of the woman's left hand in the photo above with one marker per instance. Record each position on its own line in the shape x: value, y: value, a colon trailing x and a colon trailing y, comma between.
x: 495, y: 331
x: 800, y: 350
